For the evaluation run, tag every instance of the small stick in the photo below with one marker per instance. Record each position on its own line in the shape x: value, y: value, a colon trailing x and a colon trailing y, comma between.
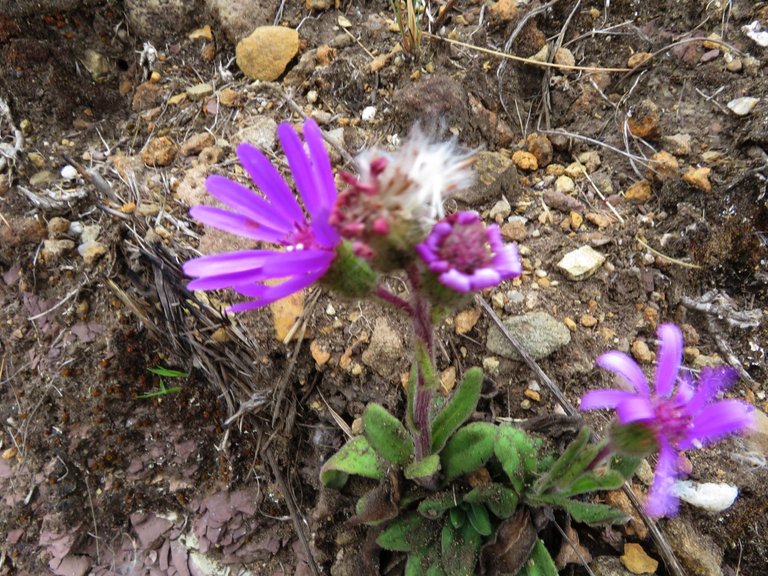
x: 526, y: 60
x: 293, y: 510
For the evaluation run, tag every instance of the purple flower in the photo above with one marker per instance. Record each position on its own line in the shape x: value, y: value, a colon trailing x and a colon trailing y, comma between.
x: 679, y: 414
x: 466, y: 255
x: 274, y: 217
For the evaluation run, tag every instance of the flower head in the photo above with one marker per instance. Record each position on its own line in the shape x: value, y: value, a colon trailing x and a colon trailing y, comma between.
x: 274, y: 217
x: 466, y: 255
x: 399, y: 193
x: 680, y: 414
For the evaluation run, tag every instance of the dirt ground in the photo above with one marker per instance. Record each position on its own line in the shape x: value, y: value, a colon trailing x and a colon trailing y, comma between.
x: 104, y: 472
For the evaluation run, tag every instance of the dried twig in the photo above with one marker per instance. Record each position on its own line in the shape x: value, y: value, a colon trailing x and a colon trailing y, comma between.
x: 293, y: 510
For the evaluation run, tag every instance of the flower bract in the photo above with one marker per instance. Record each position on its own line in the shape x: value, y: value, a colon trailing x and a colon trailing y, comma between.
x: 468, y: 256
x: 275, y: 217
x: 680, y: 413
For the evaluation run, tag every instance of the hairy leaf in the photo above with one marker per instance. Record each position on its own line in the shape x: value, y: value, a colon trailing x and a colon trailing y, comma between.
x: 380, y: 504
x: 435, y: 506
x: 387, y: 435
x: 479, y: 519
x: 539, y: 563
x: 563, y: 465
x: 424, y: 468
x: 499, y: 499
x: 585, y: 512
x: 458, y: 409
x: 591, y: 482
x: 355, y: 457
x: 469, y: 448
x: 406, y: 533
x: 459, y: 549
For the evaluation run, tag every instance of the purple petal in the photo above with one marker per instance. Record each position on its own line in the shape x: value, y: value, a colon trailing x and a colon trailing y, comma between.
x: 635, y: 408
x: 711, y: 382
x: 268, y: 294
x: 669, y: 358
x: 269, y: 181
x: 277, y: 263
x: 718, y: 420
x: 235, y: 224
x: 281, y: 265
x: 621, y: 364
x: 662, y: 500
x: 321, y: 163
x: 426, y: 253
x: 310, y: 184
x: 225, y: 263
x: 598, y: 399
x: 507, y: 262
x: 455, y: 280
x: 241, y: 199
x: 484, y: 278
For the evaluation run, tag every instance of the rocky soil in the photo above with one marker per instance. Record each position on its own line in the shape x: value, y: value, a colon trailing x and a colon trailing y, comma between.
x: 627, y: 158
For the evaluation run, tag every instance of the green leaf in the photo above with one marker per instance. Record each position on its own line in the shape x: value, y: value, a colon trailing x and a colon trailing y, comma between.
x: 468, y: 449
x: 633, y: 439
x: 510, y: 446
x: 406, y: 533
x: 592, y: 482
x: 539, y: 563
x: 563, y: 465
x: 478, y: 517
x: 459, y: 550
x: 457, y: 517
x: 355, y: 457
x: 435, y: 506
x: 387, y: 435
x: 625, y: 465
x: 458, y: 409
x: 167, y: 372
x: 585, y: 512
x: 499, y: 499
x: 424, y: 468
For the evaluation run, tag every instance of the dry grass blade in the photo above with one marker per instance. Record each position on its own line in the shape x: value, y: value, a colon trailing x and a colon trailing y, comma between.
x: 296, y: 518
x: 645, y: 245
x: 338, y: 419
x: 526, y: 60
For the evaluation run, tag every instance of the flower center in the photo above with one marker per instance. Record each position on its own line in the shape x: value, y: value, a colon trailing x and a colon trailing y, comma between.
x: 466, y: 245
x: 671, y: 420
x: 302, y: 237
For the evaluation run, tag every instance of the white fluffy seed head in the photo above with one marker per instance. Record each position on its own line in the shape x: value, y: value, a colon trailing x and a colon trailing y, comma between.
x: 418, y: 176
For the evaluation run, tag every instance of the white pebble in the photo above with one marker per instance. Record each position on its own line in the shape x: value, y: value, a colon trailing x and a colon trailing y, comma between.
x: 369, y: 113
x: 709, y: 496
x: 742, y: 106
x: 69, y: 172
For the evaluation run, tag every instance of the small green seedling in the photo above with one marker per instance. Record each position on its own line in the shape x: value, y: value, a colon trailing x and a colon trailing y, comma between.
x: 164, y: 390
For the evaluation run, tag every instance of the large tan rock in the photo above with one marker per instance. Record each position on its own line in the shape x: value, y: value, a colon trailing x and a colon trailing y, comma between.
x: 266, y: 52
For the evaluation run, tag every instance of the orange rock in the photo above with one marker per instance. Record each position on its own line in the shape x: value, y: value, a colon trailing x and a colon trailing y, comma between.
x: 639, y: 192
x: 525, y: 161
x: 644, y: 121
x: 698, y: 178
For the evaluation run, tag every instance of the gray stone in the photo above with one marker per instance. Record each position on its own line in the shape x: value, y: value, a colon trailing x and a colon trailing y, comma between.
x: 238, y: 19
x: 609, y: 566
x: 261, y: 132
x: 582, y: 263
x: 495, y: 175
x: 159, y: 21
x: 538, y: 332
x: 699, y: 554
x: 385, y: 354
x: 437, y: 100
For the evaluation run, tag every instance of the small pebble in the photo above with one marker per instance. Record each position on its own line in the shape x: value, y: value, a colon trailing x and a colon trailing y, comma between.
x: 742, y: 106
